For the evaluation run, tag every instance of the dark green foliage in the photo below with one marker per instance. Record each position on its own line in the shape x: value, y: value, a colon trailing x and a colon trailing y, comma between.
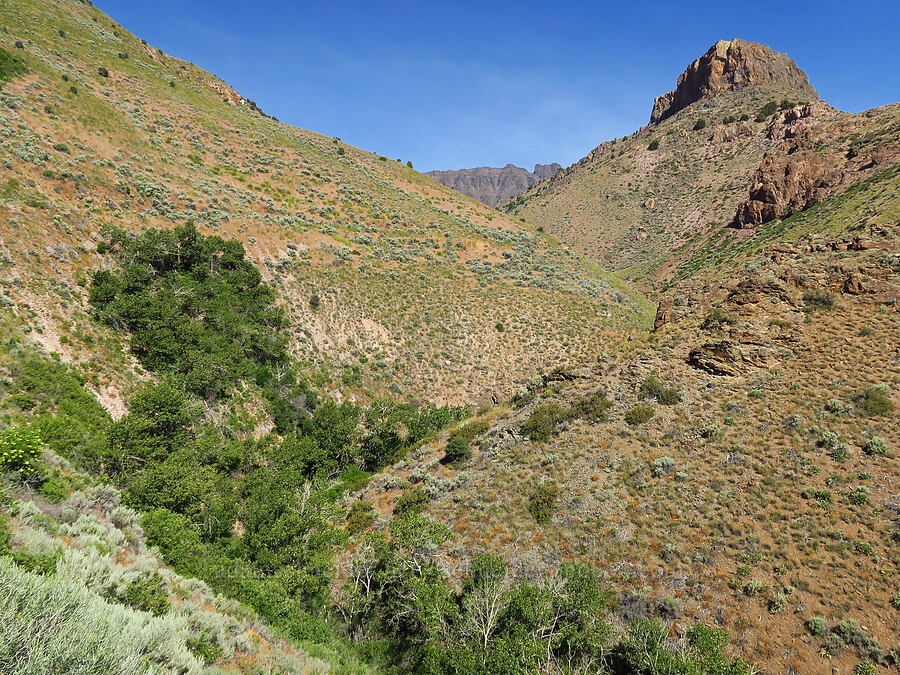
x: 392, y: 427
x: 231, y: 575
x: 542, y: 501
x: 766, y: 111
x: 699, y: 124
x: 411, y: 501
x: 816, y: 300
x: 816, y: 626
x: 496, y: 627
x: 541, y: 424
x: 53, y: 489
x: 639, y: 414
x: 874, y: 401
x: 716, y: 317
x: 39, y: 563
x: 69, y: 417
x: 642, y: 652
x: 653, y: 388
x: 594, y: 407
x: 653, y: 145
x: 198, y: 311
x: 859, y: 496
x: 102, y: 72
x: 821, y: 496
x: 147, y: 595
x: 457, y: 450
x: 5, y: 534
x: 203, y: 650
x: 360, y: 517
x: 10, y: 66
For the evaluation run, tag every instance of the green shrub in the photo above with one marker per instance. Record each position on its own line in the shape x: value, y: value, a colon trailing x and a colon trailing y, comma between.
x: 102, y: 72
x: 653, y: 388
x: 816, y: 300
x: 54, y: 489
x: 457, y: 450
x: 821, y: 496
x: 360, y: 517
x: 876, y: 446
x: 10, y: 66
x: 38, y: 563
x: 852, y: 633
x: 859, y: 496
x: 716, y: 317
x: 816, y: 626
x: 410, y: 501
x: 146, y: 595
x: 541, y: 424
x: 542, y: 501
x: 661, y: 466
x: 203, y: 650
x: 895, y: 601
x: 699, y: 124
x: 865, y: 668
x: 594, y: 407
x: 639, y: 414
x: 21, y: 451
x: 199, y: 311
x: 653, y: 145
x: 766, y: 111
x: 874, y: 401
x: 777, y: 603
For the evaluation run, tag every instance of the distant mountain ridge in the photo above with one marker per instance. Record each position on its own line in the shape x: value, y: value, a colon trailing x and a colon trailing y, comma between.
x: 493, y: 185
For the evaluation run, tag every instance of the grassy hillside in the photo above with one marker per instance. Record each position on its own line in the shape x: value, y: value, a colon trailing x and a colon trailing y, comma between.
x: 217, y: 332
x: 739, y: 466
x: 393, y: 283
x: 660, y: 201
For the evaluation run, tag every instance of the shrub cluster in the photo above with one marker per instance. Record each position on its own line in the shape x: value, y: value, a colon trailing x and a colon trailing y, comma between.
x: 542, y: 501
x: 653, y: 388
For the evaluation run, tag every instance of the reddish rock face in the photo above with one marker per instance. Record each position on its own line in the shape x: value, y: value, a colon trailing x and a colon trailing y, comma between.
x: 785, y: 184
x: 730, y: 65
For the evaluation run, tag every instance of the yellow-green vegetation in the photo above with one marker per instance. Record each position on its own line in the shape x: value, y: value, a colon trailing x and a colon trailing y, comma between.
x: 410, y: 278
x: 272, y: 403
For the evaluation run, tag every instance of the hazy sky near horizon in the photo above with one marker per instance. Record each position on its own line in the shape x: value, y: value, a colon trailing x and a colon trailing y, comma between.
x: 480, y: 83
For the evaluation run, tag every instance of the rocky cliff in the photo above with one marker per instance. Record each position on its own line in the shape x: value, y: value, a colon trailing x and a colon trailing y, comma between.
x: 730, y: 65
x: 492, y: 185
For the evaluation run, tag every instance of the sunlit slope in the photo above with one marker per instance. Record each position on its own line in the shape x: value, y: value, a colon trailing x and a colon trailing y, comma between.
x: 393, y: 282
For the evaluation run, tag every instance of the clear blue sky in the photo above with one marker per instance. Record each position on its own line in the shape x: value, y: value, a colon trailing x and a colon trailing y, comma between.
x: 480, y: 83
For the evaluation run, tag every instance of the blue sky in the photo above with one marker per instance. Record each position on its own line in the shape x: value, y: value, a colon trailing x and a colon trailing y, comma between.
x: 460, y: 84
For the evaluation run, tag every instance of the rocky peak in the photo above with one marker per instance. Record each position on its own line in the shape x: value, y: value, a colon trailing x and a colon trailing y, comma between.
x: 730, y: 65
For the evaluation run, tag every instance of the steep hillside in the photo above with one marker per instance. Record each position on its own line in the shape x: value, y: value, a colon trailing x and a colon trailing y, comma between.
x: 494, y: 185
x: 393, y: 283
x: 734, y: 136
x: 738, y: 467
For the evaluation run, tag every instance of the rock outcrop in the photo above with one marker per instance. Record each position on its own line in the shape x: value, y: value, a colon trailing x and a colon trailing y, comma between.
x: 785, y: 185
x: 492, y: 185
x: 730, y: 65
